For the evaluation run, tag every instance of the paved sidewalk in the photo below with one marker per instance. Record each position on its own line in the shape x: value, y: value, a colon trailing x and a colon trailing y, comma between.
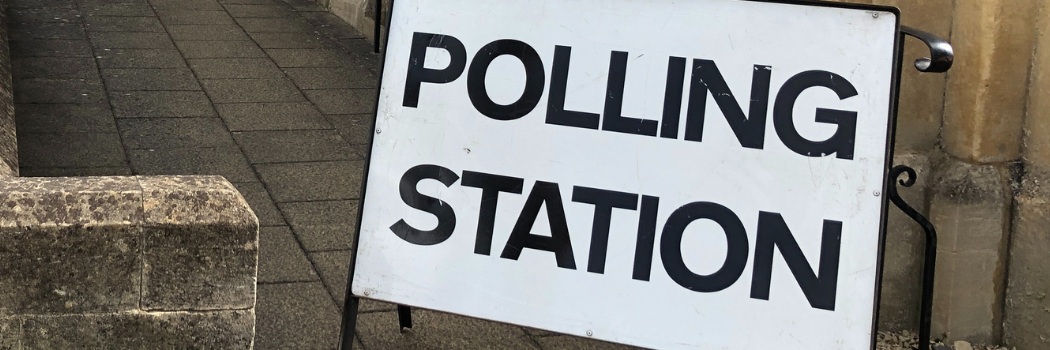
x: 274, y: 95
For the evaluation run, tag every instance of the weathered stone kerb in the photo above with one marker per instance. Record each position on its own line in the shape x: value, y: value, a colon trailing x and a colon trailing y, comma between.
x: 112, y: 262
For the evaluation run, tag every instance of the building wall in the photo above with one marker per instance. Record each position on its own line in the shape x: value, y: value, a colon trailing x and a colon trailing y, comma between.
x: 979, y: 137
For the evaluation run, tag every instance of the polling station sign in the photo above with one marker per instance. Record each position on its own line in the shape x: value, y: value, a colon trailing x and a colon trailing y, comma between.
x: 701, y: 174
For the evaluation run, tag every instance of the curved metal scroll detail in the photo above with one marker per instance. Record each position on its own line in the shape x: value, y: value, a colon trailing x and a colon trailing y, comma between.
x: 941, y: 53
x: 931, y: 248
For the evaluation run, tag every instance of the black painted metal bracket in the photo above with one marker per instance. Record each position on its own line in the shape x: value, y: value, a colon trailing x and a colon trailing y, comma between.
x: 929, y: 265
x: 941, y: 53
x: 941, y: 57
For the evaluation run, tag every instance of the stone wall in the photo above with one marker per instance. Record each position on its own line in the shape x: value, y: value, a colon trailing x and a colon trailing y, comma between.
x: 126, y: 262
x: 8, y: 148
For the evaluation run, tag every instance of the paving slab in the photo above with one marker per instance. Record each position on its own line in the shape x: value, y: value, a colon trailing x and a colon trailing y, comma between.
x: 305, y: 6
x: 50, y: 48
x: 140, y: 58
x: 74, y: 172
x: 130, y: 40
x: 235, y: 68
x: 290, y: 40
x: 142, y: 79
x: 181, y: 16
x: 191, y: 5
x: 45, y: 30
x: 128, y: 9
x: 147, y: 133
x: 255, y: 194
x: 54, y: 67
x: 63, y: 118
x: 307, y: 57
x: 286, y: 146
x: 272, y: 116
x: 41, y: 3
x: 225, y: 161
x: 78, y: 91
x: 281, y: 259
x: 343, y: 101
x: 322, y: 225
x: 123, y: 24
x: 332, y: 78
x: 161, y: 104
x: 46, y: 14
x: 322, y: 181
x: 228, y: 49
x: 355, y: 128
x: 207, y: 32
x: 332, y: 25
x: 275, y: 25
x: 71, y: 150
x: 334, y: 266
x: 249, y: 2
x: 436, y: 330
x: 298, y: 316
x: 252, y: 90
x: 268, y: 11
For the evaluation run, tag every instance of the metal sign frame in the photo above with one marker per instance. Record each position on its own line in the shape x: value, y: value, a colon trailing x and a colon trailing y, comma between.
x: 941, y: 61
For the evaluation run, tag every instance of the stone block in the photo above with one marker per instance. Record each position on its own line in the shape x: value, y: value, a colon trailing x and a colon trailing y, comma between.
x: 322, y: 181
x: 343, y: 101
x: 281, y: 260
x: 145, y: 133
x: 67, y: 248
x: 986, y: 89
x: 200, y: 245
x: 903, y: 253
x: 229, y: 49
x: 969, y: 207
x: 235, y: 68
x: 1027, y: 311
x: 296, y: 316
x: 287, y: 146
x: 160, y: 104
x: 272, y: 116
x: 139, y: 79
x: 1037, y: 119
x: 252, y: 90
x: 182, y: 330
x: 436, y: 330
x: 11, y: 334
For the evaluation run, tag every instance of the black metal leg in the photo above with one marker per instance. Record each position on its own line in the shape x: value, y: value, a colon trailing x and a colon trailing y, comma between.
x: 349, y: 328
x: 379, y: 23
x: 404, y: 317
x: 929, y: 266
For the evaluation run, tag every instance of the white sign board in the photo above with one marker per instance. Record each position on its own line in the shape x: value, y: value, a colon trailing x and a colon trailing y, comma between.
x: 702, y: 174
